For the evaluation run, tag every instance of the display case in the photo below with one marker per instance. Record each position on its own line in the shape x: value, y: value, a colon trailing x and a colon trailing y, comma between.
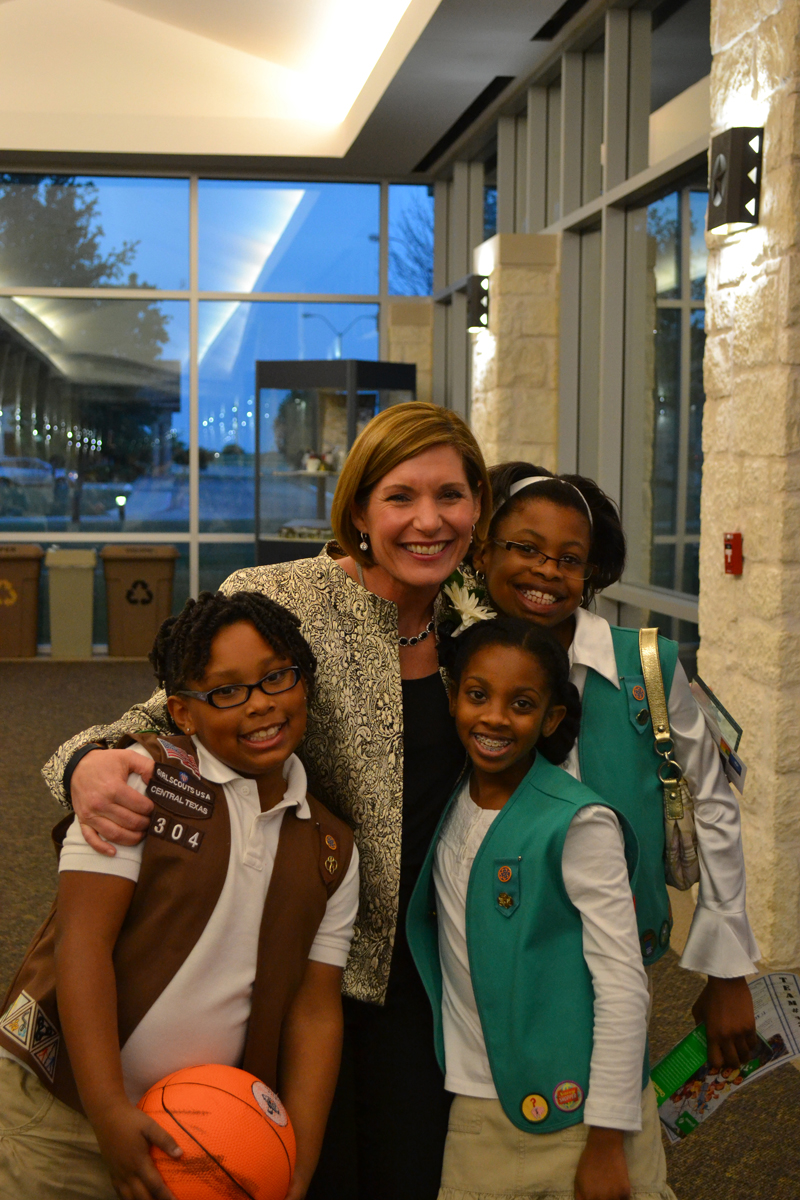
x: 308, y: 414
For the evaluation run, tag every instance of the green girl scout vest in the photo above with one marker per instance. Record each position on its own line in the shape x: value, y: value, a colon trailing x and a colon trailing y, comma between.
x: 532, y: 986
x: 618, y: 761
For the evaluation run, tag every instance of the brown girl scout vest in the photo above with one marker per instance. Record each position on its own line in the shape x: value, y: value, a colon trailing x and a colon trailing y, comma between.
x: 183, y: 870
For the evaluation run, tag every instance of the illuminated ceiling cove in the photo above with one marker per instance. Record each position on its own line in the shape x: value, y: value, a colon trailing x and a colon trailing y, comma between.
x: 247, y: 77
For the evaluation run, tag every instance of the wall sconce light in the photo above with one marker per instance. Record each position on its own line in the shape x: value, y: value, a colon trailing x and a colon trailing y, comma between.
x: 477, y: 302
x: 476, y: 290
x: 735, y: 179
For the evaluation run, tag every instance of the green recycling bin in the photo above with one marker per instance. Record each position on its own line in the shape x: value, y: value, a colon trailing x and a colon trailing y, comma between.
x: 139, y: 583
x: 71, y: 577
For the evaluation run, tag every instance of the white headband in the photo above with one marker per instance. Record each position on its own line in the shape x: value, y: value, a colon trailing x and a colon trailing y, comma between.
x: 523, y: 483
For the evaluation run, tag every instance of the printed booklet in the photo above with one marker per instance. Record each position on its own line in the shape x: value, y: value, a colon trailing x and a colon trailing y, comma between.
x: 688, y: 1090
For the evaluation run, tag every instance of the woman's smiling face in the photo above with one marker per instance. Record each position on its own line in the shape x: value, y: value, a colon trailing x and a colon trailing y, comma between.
x: 520, y: 588
x: 419, y: 517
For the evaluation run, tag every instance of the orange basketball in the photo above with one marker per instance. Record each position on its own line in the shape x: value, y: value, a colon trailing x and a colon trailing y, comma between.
x: 236, y: 1136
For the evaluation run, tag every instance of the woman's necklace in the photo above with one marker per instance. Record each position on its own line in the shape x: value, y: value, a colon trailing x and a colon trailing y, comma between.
x: 403, y: 641
x: 420, y: 637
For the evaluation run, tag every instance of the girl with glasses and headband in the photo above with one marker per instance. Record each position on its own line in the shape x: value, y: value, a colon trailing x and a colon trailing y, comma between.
x: 554, y: 542
x: 219, y: 938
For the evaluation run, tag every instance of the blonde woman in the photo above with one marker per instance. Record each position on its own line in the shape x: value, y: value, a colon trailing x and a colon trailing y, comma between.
x: 381, y: 751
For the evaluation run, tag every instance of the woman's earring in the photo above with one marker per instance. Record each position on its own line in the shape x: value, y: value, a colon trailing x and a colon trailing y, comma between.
x: 363, y: 545
x: 472, y: 536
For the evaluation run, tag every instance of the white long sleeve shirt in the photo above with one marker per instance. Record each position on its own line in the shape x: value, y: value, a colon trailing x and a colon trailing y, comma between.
x: 720, y: 941
x: 596, y: 879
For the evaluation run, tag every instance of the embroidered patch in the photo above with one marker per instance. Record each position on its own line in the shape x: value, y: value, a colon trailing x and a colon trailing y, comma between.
x: 648, y: 943
x: 19, y: 1021
x: 331, y: 865
x: 170, y: 830
x: 568, y: 1095
x: 27, y: 1024
x: 534, y: 1108
x: 663, y: 934
x: 175, y: 752
x: 269, y: 1103
x: 43, y: 1031
x: 639, y: 692
x: 330, y: 842
x: 504, y: 874
x: 47, y: 1057
x: 175, y: 790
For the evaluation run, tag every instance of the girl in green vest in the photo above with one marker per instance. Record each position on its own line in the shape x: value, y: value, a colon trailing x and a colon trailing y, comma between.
x: 553, y: 544
x: 522, y: 926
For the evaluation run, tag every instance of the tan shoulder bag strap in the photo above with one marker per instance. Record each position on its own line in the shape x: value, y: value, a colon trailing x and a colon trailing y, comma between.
x: 654, y: 684
x: 670, y: 772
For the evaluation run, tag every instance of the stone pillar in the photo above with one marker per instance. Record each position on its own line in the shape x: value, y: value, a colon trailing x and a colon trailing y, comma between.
x: 410, y: 339
x: 750, y: 626
x: 514, y: 411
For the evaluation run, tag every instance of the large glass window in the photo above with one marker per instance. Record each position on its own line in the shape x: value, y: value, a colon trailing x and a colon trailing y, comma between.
x: 664, y: 390
x: 663, y: 455
x: 94, y: 410
x: 233, y: 336
x: 93, y: 231
x: 289, y: 237
x: 410, y: 239
x: 100, y: 393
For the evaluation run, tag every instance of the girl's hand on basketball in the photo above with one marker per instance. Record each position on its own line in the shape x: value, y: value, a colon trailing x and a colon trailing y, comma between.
x: 105, y: 804
x: 125, y: 1136
x: 726, y: 1006
x: 602, y: 1170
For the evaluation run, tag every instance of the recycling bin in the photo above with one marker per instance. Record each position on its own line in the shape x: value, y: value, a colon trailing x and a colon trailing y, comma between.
x: 71, y: 578
x: 20, y: 566
x: 139, y: 593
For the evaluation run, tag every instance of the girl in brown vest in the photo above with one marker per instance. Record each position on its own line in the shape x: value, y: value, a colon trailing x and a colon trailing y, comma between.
x: 221, y: 938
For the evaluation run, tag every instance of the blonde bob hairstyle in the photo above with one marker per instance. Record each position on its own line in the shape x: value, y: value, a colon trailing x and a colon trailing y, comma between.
x: 398, y: 433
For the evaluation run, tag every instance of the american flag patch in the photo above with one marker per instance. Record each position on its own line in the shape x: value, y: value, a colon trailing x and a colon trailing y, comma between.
x: 175, y: 752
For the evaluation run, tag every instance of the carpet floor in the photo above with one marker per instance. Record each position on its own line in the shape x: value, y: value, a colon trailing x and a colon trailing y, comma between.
x: 749, y: 1150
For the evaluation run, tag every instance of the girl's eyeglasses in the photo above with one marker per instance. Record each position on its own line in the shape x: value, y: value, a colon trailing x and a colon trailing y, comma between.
x: 567, y: 564
x: 231, y: 695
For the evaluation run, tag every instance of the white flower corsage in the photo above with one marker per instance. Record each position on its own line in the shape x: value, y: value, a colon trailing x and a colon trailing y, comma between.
x: 467, y: 601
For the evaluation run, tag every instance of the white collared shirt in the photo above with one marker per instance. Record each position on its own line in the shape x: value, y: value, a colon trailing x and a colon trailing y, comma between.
x: 720, y: 941
x: 202, y: 1014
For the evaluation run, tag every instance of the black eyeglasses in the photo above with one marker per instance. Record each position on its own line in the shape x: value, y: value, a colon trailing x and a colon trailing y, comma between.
x: 567, y: 564
x: 231, y: 695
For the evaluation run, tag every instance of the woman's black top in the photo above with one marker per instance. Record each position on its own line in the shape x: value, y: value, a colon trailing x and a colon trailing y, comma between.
x: 432, y: 761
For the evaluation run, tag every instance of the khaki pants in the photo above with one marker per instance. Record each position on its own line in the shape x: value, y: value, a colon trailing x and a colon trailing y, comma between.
x: 47, y: 1150
x: 488, y: 1158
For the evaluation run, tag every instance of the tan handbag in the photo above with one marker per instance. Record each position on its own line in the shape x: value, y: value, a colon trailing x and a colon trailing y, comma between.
x: 681, y: 865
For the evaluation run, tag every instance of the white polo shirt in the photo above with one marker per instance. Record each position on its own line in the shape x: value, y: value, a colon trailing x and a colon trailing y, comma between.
x: 202, y: 1014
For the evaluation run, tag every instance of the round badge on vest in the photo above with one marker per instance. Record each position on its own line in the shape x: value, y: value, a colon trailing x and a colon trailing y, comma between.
x: 663, y: 935
x: 534, y: 1108
x: 330, y: 842
x: 648, y: 943
x: 568, y: 1096
x: 504, y: 874
x: 638, y: 692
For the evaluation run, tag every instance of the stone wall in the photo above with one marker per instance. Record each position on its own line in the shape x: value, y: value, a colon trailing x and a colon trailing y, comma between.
x: 514, y: 412
x: 750, y: 626
x: 410, y: 339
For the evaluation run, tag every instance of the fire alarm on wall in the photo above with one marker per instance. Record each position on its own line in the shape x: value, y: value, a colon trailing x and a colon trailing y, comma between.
x: 733, y: 554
